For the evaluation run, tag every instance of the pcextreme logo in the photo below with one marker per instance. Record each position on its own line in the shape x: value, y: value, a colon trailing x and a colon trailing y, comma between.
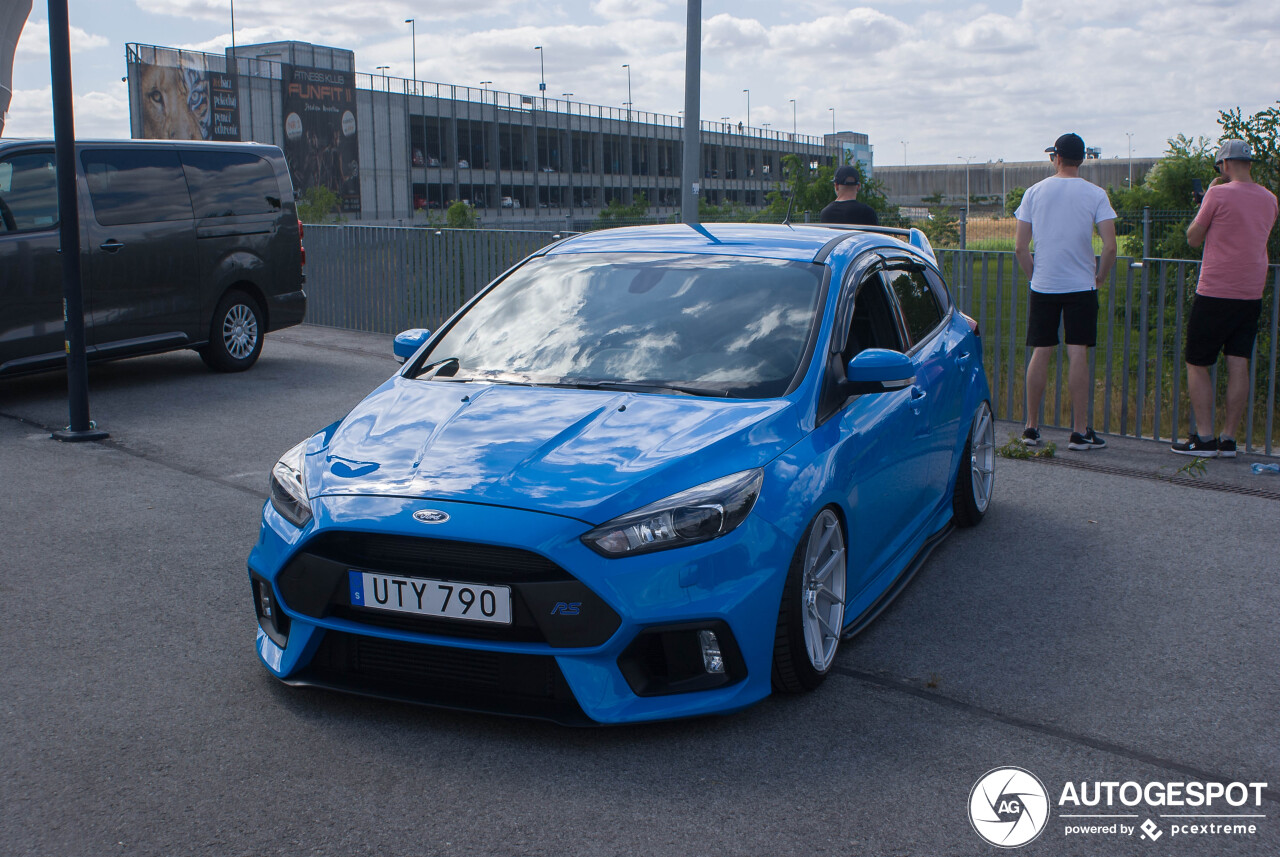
x: 1009, y: 807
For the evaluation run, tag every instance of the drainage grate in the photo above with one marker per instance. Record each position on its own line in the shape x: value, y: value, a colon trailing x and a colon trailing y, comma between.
x: 1188, y: 481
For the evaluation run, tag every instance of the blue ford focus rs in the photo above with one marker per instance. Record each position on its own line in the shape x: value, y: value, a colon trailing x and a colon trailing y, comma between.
x: 647, y: 473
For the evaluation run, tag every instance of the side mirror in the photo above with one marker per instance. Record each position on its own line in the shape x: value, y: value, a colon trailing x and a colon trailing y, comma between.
x: 408, y: 342
x: 879, y: 370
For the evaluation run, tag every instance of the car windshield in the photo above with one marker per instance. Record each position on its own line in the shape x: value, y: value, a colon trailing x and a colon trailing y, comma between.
x: 681, y: 324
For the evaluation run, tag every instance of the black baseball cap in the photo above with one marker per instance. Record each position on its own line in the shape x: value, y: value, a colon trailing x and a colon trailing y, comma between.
x: 1068, y: 146
x: 848, y: 175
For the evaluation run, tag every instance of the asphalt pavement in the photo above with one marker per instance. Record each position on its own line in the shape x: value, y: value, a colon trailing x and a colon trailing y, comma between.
x: 1112, y: 620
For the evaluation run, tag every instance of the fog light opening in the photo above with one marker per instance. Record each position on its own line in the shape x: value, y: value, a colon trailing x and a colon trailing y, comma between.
x: 712, y: 659
x: 272, y: 620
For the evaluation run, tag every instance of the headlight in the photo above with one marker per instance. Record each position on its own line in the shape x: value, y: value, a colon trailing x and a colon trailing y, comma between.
x: 698, y: 515
x: 289, y: 488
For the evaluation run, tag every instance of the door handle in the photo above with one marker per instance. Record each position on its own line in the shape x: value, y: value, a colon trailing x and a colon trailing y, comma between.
x: 962, y: 358
x: 111, y: 245
x: 917, y: 400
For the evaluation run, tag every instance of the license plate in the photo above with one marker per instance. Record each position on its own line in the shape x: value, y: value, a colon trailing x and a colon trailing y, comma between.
x: 422, y: 597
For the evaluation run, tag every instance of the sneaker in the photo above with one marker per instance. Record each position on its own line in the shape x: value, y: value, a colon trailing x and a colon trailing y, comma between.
x: 1031, y: 437
x: 1088, y: 440
x: 1227, y: 448
x: 1200, y: 447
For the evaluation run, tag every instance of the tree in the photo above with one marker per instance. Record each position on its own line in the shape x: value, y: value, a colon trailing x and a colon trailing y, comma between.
x: 617, y: 214
x: 318, y: 205
x: 1014, y: 199
x: 1262, y: 132
x: 1167, y: 191
x: 460, y: 215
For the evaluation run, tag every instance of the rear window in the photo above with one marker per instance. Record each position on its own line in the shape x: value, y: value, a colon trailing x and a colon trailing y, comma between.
x: 136, y: 185
x: 228, y: 184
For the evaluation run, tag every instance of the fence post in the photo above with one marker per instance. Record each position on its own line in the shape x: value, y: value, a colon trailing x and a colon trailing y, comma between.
x: 1146, y: 234
x: 964, y: 270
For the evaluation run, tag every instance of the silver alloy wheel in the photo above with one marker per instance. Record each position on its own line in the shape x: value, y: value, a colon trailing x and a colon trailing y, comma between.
x: 240, y: 331
x: 982, y: 457
x: 822, y: 590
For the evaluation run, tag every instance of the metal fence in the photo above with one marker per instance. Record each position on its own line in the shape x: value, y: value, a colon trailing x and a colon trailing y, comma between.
x: 1138, y: 368
x: 387, y: 279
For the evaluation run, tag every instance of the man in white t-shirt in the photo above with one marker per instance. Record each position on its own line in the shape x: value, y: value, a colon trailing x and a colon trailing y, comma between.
x: 1060, y: 214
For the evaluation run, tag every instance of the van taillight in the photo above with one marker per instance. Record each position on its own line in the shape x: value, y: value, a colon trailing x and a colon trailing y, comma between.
x: 301, y: 248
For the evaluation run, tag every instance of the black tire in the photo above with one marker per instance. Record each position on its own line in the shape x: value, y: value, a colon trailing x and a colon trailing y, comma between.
x: 975, y: 476
x: 235, y: 334
x: 794, y: 667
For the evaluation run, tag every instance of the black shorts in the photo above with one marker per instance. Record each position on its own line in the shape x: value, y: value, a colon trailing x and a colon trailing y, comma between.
x: 1078, y: 312
x: 1221, y: 324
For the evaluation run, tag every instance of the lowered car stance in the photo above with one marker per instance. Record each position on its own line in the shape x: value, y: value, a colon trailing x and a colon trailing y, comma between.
x: 648, y: 473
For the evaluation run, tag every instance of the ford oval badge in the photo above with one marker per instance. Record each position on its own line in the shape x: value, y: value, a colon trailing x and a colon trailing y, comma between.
x: 430, y: 516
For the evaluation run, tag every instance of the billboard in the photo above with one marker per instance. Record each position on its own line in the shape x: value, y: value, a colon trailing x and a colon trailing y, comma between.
x: 320, y: 141
x: 180, y: 98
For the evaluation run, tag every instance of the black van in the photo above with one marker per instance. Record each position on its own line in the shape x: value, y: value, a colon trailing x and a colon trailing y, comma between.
x: 183, y: 245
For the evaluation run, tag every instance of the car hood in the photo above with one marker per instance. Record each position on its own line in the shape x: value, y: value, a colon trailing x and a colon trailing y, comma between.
x: 586, y: 454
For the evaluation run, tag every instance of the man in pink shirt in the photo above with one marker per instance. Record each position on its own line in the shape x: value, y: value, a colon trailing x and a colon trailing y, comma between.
x: 1233, y: 223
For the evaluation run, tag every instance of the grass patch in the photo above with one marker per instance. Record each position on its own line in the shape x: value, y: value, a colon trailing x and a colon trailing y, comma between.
x: 1015, y: 448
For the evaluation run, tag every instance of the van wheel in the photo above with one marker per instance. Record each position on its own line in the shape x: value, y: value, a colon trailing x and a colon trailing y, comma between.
x: 811, y: 615
x: 235, y: 334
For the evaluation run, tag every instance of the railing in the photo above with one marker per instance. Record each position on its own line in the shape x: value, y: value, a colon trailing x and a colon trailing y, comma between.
x: 387, y: 279
x: 1138, y: 369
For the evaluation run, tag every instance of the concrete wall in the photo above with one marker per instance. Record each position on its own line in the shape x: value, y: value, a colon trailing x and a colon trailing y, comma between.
x: 909, y: 185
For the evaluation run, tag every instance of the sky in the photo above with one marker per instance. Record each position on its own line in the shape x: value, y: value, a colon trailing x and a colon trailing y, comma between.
x: 954, y: 80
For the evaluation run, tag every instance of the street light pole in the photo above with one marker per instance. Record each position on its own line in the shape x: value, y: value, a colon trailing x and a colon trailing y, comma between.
x: 833, y: 120
x: 1129, y: 134
x: 748, y: 92
x: 691, y: 161
x: 542, y: 68
x: 413, y: 36
x: 233, y: 31
x: 904, y: 151
x: 967, y: 159
x: 793, y: 119
x: 383, y: 69
x: 627, y: 66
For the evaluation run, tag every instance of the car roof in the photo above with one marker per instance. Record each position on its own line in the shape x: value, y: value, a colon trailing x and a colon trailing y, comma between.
x: 795, y: 242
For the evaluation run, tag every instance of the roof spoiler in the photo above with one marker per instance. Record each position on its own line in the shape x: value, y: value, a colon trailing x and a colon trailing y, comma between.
x: 911, y: 236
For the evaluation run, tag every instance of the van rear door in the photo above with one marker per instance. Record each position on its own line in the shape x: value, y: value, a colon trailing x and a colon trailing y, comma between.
x: 142, y: 288
x: 31, y: 329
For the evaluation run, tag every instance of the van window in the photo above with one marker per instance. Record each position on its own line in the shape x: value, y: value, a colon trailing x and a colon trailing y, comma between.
x: 136, y: 185
x: 28, y: 192
x: 225, y: 184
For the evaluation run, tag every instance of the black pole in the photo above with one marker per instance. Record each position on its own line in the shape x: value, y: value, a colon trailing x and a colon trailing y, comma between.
x: 64, y: 136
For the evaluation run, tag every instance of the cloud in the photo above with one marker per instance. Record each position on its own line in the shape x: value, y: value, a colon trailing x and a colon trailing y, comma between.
x: 34, y: 43
x: 97, y: 113
x: 995, y: 34
x: 616, y: 10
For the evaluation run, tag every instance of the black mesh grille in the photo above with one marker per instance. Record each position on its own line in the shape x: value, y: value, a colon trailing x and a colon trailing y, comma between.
x: 499, y: 682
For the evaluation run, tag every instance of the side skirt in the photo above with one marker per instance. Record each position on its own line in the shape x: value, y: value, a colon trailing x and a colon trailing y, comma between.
x: 878, y: 606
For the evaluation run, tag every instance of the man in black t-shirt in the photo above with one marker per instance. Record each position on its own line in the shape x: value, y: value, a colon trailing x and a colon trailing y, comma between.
x: 846, y: 208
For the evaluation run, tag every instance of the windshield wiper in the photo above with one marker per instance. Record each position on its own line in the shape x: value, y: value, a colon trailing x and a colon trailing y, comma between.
x: 642, y: 387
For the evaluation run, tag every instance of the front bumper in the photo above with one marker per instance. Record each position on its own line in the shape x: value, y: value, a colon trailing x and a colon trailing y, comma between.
x: 577, y: 665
